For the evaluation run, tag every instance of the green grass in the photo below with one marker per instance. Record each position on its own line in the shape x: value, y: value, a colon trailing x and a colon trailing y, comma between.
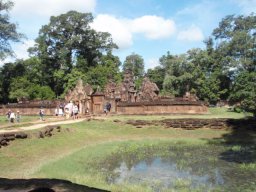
x: 86, y: 141
x: 24, y: 119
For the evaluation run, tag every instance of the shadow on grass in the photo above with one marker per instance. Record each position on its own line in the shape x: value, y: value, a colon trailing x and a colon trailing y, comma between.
x: 43, y: 185
x: 240, y: 141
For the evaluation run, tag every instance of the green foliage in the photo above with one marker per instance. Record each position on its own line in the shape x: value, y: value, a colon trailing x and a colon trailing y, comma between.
x: 135, y: 63
x: 40, y: 92
x: 8, y: 72
x: 244, y: 91
x: 21, y: 87
x: 236, y: 35
x: 100, y: 75
x: 156, y: 75
x: 67, y: 42
x: 72, y: 78
x: 8, y: 30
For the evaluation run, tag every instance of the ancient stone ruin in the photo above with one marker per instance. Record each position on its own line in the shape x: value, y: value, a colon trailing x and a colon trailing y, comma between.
x: 81, y: 95
x: 124, y: 98
x: 148, y: 91
x: 146, y: 100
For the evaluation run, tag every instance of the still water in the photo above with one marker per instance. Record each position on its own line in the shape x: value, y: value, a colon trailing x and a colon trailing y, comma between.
x: 208, y: 168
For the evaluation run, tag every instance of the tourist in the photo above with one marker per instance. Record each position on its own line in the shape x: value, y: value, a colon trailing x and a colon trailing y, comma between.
x: 75, y: 112
x: 105, y: 109
x: 61, y: 112
x: 56, y: 111
x: 8, y: 115
x: 41, y: 114
x: 18, y: 117
x: 69, y: 109
x: 12, y: 117
x: 108, y: 106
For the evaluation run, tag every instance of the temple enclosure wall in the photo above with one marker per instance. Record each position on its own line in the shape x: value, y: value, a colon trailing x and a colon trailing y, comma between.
x: 161, y: 108
x: 137, y: 108
x: 175, y: 109
x: 31, y: 108
x: 123, y: 97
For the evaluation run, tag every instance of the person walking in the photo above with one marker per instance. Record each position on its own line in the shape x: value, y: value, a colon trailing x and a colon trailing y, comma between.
x: 18, y: 117
x: 75, y: 111
x: 41, y: 114
x: 8, y: 115
x: 12, y: 117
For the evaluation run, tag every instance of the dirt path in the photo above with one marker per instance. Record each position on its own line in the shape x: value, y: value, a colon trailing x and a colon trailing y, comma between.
x: 40, y: 125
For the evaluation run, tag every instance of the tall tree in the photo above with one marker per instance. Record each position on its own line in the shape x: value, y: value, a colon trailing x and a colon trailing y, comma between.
x: 7, y: 73
x: 135, y: 63
x: 156, y: 75
x: 69, y: 41
x: 8, y: 30
x: 244, y: 91
x: 235, y: 38
x: 236, y: 46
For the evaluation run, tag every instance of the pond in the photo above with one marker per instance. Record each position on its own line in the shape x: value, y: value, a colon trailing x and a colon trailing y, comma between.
x: 194, y: 168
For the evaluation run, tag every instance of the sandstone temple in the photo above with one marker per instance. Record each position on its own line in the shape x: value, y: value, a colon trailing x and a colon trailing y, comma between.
x: 124, y: 98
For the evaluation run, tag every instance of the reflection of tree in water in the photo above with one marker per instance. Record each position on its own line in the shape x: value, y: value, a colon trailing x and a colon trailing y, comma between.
x: 200, y: 161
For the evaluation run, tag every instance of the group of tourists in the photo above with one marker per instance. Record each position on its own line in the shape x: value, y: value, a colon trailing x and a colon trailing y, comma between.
x: 68, y: 110
x: 71, y: 110
x: 12, y: 117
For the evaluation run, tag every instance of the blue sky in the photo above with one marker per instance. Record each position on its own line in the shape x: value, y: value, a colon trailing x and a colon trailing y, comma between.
x: 149, y: 28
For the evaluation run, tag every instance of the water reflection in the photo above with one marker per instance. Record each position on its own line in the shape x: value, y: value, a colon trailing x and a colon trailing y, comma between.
x: 185, y: 168
x: 167, y: 174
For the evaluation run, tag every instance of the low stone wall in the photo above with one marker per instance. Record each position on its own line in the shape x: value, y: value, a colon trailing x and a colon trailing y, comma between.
x: 198, y: 123
x: 162, y: 108
x: 7, y: 137
x: 48, y: 131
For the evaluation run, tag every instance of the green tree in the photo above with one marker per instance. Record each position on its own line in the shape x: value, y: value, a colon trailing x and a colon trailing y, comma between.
x: 19, y: 88
x: 178, y: 78
x: 235, y: 38
x: 135, y: 63
x: 156, y: 75
x: 67, y: 42
x: 8, y: 30
x: 236, y: 47
x: 7, y: 73
x: 244, y: 91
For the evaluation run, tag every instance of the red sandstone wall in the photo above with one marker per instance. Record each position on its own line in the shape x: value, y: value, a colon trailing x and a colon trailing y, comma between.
x: 27, y: 111
x: 164, y: 109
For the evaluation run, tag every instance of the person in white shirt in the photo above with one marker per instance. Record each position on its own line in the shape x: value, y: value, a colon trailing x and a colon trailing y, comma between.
x: 12, y: 117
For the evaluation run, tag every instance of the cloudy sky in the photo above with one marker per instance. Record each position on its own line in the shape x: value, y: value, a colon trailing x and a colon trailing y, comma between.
x: 149, y: 28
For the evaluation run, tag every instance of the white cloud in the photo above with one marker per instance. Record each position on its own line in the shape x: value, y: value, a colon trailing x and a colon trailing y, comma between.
x: 20, y: 51
x: 247, y: 6
x: 152, y: 63
x: 51, y: 7
x: 123, y: 29
x: 116, y: 27
x: 153, y: 27
x: 193, y: 33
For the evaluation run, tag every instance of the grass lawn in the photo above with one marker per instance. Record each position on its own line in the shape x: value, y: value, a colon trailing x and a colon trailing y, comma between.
x: 69, y: 154
x: 24, y: 119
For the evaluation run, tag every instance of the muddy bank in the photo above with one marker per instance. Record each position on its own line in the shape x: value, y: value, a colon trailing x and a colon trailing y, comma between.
x: 43, y: 185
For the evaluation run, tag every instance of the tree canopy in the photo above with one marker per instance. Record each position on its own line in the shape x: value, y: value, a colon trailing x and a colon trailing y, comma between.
x: 68, y: 49
x: 8, y: 30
